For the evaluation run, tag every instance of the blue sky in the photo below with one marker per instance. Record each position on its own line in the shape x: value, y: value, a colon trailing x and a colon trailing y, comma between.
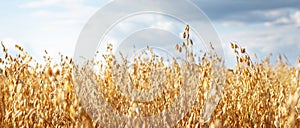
x: 260, y: 26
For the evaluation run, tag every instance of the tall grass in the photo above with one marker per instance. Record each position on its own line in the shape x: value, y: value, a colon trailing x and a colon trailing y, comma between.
x: 260, y: 94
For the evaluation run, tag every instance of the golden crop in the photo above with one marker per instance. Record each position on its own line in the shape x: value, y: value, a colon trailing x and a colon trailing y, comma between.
x: 255, y: 94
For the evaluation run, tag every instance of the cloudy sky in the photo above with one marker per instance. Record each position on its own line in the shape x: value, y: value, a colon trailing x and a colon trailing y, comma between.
x: 263, y: 27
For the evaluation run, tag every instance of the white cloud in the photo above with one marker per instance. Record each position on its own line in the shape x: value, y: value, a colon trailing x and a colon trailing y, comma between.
x: 279, y: 21
x: 57, y: 24
x: 283, y: 17
x: 47, y: 3
x: 74, y: 12
x: 273, y: 17
x: 296, y: 18
x: 274, y: 13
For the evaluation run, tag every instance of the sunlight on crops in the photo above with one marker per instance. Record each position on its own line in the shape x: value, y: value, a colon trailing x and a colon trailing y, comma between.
x: 255, y: 94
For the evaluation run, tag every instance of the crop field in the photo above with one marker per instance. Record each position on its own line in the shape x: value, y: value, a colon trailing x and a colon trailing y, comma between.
x: 254, y: 94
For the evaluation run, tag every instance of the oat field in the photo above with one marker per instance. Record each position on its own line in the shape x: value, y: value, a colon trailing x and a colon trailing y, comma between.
x: 254, y: 94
